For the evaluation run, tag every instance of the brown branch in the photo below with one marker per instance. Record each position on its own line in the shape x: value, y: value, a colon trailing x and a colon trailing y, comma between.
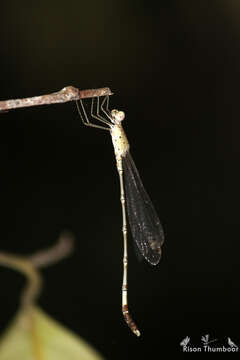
x: 68, y: 93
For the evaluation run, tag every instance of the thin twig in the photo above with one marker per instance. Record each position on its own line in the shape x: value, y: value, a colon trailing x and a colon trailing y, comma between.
x: 34, y: 282
x: 28, y: 265
x: 52, y: 255
x: 68, y: 93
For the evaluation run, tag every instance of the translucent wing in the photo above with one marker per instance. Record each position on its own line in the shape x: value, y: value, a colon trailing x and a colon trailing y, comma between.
x: 145, y: 225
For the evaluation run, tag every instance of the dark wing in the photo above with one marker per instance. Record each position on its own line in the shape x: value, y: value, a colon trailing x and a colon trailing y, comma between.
x: 145, y: 225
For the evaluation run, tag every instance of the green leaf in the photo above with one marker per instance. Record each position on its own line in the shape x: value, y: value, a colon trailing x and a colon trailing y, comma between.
x: 33, y: 335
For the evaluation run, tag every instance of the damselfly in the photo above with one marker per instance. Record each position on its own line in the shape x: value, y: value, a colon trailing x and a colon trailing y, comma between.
x: 144, y: 223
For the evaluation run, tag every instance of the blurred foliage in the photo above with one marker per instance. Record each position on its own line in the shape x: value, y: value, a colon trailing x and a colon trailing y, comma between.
x: 33, y: 335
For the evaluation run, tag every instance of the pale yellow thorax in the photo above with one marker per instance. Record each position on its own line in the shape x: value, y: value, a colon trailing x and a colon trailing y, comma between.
x: 120, y: 141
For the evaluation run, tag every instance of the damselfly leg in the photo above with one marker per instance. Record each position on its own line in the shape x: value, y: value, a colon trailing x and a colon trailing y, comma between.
x: 84, y: 117
x: 97, y: 107
x: 106, y: 110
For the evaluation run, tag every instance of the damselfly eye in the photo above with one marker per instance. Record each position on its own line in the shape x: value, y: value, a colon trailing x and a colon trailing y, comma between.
x: 117, y: 116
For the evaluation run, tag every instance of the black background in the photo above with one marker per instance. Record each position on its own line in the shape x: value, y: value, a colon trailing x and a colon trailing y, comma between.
x: 174, y: 69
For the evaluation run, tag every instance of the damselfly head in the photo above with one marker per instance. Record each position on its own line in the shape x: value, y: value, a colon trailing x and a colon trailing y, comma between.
x: 117, y: 116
